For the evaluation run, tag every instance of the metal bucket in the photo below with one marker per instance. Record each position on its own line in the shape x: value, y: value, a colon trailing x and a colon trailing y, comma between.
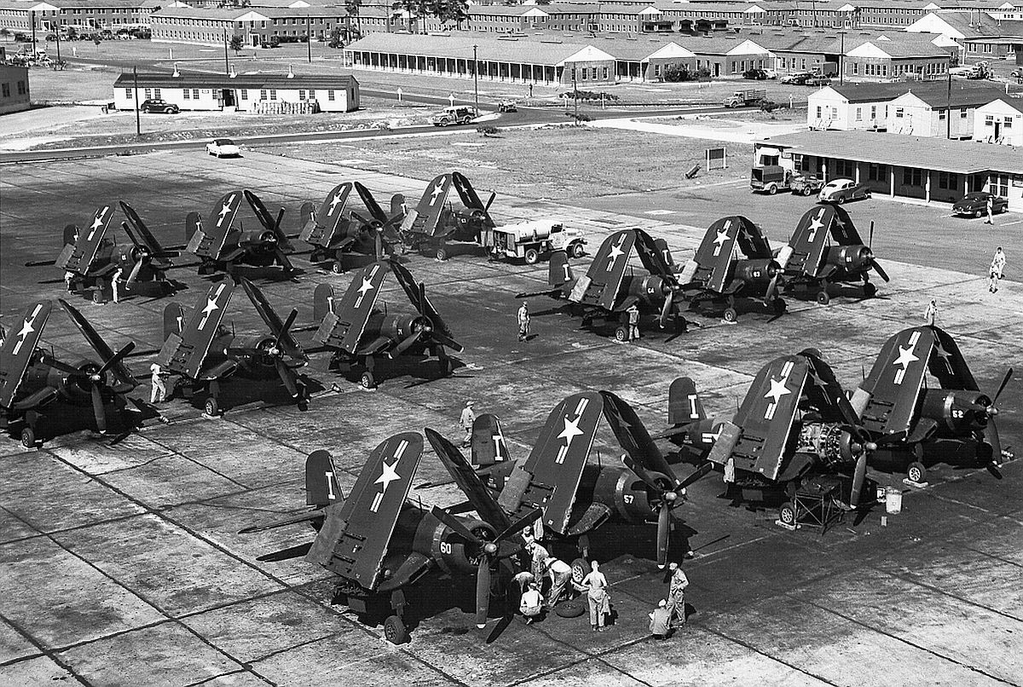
x: 893, y: 501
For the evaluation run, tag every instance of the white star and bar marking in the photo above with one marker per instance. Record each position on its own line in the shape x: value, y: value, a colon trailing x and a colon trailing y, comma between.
x: 334, y: 202
x: 722, y: 237
x: 906, y: 357
x: 211, y: 305
x: 225, y: 209
x: 26, y: 329
x: 438, y: 189
x: 367, y: 286
x: 571, y: 430
x: 97, y: 223
x: 388, y: 474
x: 778, y: 390
x: 616, y: 252
x: 815, y: 225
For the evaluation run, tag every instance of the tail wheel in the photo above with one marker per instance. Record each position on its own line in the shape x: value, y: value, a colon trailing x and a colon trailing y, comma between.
x: 787, y: 514
x: 211, y: 407
x: 336, y: 267
x: 823, y: 298
x: 394, y: 630
x: 442, y: 254
x: 869, y: 290
x: 731, y: 315
x: 621, y: 333
x: 28, y: 437
x: 367, y: 380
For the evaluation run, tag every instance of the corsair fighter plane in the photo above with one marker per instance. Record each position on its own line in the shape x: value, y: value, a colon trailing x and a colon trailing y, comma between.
x: 434, y: 221
x: 34, y: 383
x: 921, y: 389
x: 825, y: 248
x: 204, y: 353
x: 358, y: 332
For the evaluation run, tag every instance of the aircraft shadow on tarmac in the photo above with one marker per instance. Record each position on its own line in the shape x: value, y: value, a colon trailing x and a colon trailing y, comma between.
x: 239, y: 391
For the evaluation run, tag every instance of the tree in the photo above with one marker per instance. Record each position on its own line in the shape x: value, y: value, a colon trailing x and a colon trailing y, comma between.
x: 237, y: 43
x: 450, y: 11
x: 417, y: 9
x: 5, y: 32
x: 335, y: 38
x: 352, y: 7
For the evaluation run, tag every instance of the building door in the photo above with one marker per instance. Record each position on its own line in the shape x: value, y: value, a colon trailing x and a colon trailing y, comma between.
x: 998, y: 129
x: 228, y: 97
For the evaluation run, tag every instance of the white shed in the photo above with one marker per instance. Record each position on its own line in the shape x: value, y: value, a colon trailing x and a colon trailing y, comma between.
x: 1001, y: 122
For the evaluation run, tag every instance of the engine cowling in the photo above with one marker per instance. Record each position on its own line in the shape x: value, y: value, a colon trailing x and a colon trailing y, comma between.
x: 854, y: 258
x: 757, y: 270
x: 449, y: 550
x: 831, y: 442
x: 957, y: 412
x: 262, y: 238
x: 628, y: 495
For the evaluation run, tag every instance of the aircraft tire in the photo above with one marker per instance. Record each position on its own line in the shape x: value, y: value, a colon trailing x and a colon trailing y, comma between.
x: 823, y: 298
x: 570, y: 609
x: 916, y: 472
x: 869, y: 290
x: 442, y: 254
x: 532, y: 256
x: 28, y: 437
x: 730, y: 315
x: 580, y: 569
x: 336, y: 267
x: 394, y: 630
x: 367, y: 380
x: 621, y: 333
x: 787, y: 514
x: 211, y: 407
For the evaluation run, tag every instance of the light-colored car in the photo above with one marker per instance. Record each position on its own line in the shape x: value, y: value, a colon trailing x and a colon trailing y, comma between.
x: 841, y: 190
x: 453, y: 115
x: 223, y: 147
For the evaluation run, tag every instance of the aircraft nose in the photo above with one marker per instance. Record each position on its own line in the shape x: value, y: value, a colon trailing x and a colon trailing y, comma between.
x: 490, y: 548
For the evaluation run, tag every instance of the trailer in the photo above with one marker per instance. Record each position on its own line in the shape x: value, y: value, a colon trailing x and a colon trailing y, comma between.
x: 529, y: 241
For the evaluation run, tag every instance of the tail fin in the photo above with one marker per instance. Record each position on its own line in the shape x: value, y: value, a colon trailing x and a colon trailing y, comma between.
x: 307, y: 213
x: 488, y: 444
x: 321, y: 486
x: 398, y: 206
x: 193, y: 223
x: 558, y: 270
x: 173, y: 319
x: 662, y: 248
x: 71, y: 234
x: 323, y: 298
x: 684, y: 405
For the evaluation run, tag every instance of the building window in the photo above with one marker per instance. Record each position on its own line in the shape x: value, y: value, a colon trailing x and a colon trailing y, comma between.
x: 962, y: 113
x: 245, y: 94
x: 1007, y: 123
x: 877, y: 173
x: 330, y: 96
x: 301, y: 94
x: 273, y: 94
x: 942, y: 115
x: 912, y: 177
x: 22, y: 91
x: 859, y: 114
x: 898, y: 113
x: 127, y: 93
x: 818, y: 112
x: 187, y: 96
x: 195, y: 94
x: 262, y: 94
x: 156, y: 93
x: 948, y: 180
x: 149, y: 93
x: 5, y: 90
x: 873, y: 111
x: 989, y: 120
x: 999, y: 185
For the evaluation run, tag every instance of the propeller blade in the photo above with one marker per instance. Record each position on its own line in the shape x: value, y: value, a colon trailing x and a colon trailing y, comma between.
x: 118, y: 357
x: 378, y: 244
x: 486, y: 208
x: 642, y: 474
x: 362, y: 220
x: 445, y: 340
x: 859, y: 475
x: 404, y: 344
x: 520, y: 524
x: 880, y: 270
x: 663, y: 533
x: 98, y: 410
x: 134, y: 274
x: 870, y: 241
x: 698, y: 474
x: 456, y: 525
x: 1001, y: 387
x: 482, y: 592
x: 665, y: 311
x: 421, y: 305
x: 287, y: 376
x: 773, y: 286
x: 62, y: 366
x: 287, y: 325
x: 283, y: 259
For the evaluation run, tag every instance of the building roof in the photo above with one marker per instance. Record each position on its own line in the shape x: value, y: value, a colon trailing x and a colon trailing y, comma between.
x: 71, y: 4
x: 959, y: 157
x: 867, y: 92
x: 248, y: 13
x: 459, y: 46
x: 937, y: 96
x: 254, y: 81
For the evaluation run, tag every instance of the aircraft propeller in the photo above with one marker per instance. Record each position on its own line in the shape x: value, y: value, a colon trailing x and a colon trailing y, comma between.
x: 989, y: 434
x: 95, y: 378
x: 431, y: 326
x: 871, y: 260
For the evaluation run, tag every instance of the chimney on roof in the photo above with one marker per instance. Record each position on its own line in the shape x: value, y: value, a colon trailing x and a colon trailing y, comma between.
x: 176, y: 73
x: 291, y: 72
x: 232, y: 73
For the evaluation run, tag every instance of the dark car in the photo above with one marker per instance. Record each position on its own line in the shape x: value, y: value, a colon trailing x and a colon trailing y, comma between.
x: 841, y: 190
x: 975, y: 204
x: 817, y: 80
x: 758, y: 74
x: 162, y: 106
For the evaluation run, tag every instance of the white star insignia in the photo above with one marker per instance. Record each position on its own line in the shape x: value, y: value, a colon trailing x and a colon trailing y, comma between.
x: 905, y: 357
x: 616, y: 252
x: 211, y: 305
x: 721, y: 237
x: 367, y: 285
x: 26, y: 329
x: 571, y: 430
x: 437, y: 190
x: 226, y: 208
x: 333, y: 203
x: 388, y: 475
x: 816, y: 225
x: 98, y: 222
x: 777, y: 390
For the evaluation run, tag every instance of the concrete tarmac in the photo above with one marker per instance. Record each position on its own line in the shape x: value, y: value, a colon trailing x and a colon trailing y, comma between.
x: 122, y: 564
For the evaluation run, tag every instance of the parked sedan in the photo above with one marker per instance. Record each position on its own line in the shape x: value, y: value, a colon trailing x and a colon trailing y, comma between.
x: 796, y: 78
x: 841, y: 190
x: 758, y: 74
x: 223, y: 147
x: 975, y: 204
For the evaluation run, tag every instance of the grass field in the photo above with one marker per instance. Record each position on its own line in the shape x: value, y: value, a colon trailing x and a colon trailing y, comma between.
x: 557, y: 163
